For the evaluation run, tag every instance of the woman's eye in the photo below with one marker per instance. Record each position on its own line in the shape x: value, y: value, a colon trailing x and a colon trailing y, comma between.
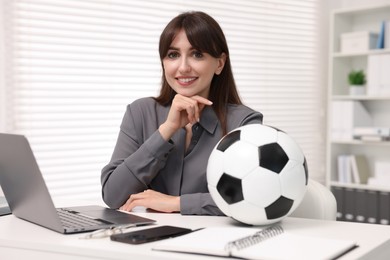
x: 197, y: 54
x: 173, y: 55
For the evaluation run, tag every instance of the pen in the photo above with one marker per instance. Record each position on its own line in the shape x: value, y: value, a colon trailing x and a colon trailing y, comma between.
x: 197, y: 229
x: 106, y: 232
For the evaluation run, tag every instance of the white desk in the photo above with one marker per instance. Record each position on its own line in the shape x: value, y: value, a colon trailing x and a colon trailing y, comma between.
x: 20, y: 239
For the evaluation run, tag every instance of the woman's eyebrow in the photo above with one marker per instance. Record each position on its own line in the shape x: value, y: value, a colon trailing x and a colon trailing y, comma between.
x: 173, y: 48
x: 178, y: 49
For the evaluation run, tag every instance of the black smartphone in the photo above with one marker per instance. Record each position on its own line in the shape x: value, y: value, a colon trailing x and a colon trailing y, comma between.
x: 150, y: 234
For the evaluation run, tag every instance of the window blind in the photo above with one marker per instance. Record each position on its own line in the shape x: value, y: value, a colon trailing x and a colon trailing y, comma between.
x: 75, y: 65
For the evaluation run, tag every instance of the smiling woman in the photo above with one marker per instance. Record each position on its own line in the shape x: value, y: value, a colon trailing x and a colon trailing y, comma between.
x: 161, y: 155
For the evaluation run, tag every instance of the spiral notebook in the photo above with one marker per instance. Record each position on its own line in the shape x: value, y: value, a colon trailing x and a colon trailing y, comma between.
x: 252, y: 243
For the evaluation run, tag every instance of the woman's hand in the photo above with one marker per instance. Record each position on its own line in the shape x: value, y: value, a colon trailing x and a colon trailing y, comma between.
x: 183, y: 110
x: 153, y: 200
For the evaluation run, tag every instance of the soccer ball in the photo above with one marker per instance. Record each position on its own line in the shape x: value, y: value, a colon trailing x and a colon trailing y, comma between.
x: 257, y: 174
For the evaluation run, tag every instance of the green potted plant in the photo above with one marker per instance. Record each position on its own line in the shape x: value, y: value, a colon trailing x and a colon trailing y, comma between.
x: 357, y: 81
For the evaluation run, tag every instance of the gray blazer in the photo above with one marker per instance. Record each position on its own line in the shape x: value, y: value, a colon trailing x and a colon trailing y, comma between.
x: 142, y: 159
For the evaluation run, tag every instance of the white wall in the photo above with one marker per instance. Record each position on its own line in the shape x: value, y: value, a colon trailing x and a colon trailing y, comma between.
x: 2, y: 70
x: 2, y: 80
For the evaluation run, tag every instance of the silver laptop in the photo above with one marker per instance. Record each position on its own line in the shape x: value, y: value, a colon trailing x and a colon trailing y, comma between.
x: 29, y: 199
x: 4, y: 209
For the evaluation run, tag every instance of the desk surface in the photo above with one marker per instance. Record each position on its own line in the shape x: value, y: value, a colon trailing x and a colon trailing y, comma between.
x: 19, y: 238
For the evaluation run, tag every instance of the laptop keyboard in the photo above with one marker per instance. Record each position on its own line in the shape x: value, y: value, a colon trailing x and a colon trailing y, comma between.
x: 71, y: 219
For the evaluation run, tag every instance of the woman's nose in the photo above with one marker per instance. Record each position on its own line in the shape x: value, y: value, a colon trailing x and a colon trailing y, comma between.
x: 184, y: 65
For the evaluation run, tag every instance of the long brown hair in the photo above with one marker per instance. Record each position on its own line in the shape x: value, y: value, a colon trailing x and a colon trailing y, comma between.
x: 205, y: 35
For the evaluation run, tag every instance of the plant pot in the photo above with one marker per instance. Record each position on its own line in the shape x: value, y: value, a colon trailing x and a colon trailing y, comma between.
x: 357, y: 90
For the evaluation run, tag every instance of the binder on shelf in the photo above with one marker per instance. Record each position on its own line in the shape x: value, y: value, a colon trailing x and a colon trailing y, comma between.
x: 344, y: 169
x: 359, y: 168
x: 381, y: 38
x: 360, y: 205
x: 354, y: 169
x: 378, y: 78
x: 372, y: 204
x: 251, y: 243
x: 384, y: 208
x: 387, y: 35
x: 338, y: 193
x: 346, y: 115
x: 349, y: 208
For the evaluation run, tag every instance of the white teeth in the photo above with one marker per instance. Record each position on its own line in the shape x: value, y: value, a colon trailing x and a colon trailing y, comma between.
x: 186, y: 80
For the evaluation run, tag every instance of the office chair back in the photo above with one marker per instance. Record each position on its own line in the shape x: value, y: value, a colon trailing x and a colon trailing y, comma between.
x: 318, y: 203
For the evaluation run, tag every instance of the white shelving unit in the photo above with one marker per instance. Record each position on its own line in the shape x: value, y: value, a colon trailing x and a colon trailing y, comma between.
x: 344, y: 21
x: 340, y: 64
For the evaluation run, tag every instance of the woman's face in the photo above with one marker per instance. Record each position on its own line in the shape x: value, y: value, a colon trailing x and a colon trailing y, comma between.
x: 188, y: 71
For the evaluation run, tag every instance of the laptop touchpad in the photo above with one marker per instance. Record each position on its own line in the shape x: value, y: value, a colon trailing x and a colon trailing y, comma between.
x: 111, y: 215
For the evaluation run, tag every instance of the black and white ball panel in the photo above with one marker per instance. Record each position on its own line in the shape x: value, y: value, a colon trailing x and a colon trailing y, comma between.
x: 252, y: 135
x: 290, y: 147
x: 254, y: 188
x: 230, y: 188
